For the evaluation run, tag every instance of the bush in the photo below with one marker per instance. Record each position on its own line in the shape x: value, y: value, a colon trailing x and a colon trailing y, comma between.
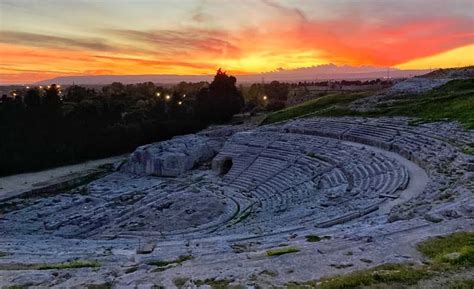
x: 275, y: 105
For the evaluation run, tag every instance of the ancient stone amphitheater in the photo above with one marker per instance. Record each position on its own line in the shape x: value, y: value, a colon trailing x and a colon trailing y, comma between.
x: 373, y: 187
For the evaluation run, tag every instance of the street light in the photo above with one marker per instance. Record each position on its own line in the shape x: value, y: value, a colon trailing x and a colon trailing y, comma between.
x: 184, y: 95
x: 168, y: 97
x: 158, y: 94
x: 180, y: 102
x: 264, y: 97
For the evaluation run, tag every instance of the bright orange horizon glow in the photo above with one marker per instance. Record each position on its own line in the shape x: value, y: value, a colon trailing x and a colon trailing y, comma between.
x: 64, y: 38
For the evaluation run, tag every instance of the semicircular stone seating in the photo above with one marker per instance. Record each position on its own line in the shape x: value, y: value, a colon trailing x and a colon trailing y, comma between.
x: 306, y: 172
x: 295, y: 179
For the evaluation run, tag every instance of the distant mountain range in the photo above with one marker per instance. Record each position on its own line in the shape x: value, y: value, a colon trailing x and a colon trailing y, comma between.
x: 320, y: 72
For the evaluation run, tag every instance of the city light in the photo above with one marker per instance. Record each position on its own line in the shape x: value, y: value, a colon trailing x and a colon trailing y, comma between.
x: 158, y: 94
x: 184, y: 95
x: 264, y: 97
x: 41, y: 87
x: 180, y: 102
x: 168, y: 97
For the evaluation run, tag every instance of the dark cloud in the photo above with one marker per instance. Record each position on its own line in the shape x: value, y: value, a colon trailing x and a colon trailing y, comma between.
x: 286, y: 10
x: 198, y: 14
x: 208, y: 41
x: 41, y: 40
x: 158, y: 63
x: 30, y: 70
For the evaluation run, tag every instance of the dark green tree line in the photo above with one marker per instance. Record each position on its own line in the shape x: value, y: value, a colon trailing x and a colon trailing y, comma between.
x: 49, y: 127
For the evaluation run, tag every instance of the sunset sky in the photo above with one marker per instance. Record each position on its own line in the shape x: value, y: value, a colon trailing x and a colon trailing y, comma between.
x: 43, y: 39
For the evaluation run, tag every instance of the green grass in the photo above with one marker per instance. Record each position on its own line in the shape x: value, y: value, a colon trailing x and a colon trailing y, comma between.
x: 402, y: 275
x: 438, y: 248
x: 180, y: 281
x: 453, y: 101
x: 269, y: 273
x: 314, y: 106
x: 389, y: 273
x: 282, y: 251
x: 455, y: 107
x: 69, y: 265
x: 165, y: 263
x: 48, y: 266
x: 463, y: 284
x: 316, y: 238
x: 468, y: 151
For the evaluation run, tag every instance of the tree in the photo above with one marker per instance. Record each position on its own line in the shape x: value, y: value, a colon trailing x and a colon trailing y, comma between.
x: 51, y: 97
x: 255, y: 94
x: 221, y: 100
x: 77, y: 93
x: 116, y: 88
x: 32, y: 98
x: 277, y: 91
x: 85, y: 123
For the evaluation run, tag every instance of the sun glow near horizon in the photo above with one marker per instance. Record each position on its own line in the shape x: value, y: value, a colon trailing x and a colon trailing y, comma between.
x: 196, y: 37
x: 458, y: 57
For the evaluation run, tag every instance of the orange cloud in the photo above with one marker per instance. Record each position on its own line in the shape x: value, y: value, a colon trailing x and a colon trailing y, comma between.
x: 287, y: 39
x: 351, y: 43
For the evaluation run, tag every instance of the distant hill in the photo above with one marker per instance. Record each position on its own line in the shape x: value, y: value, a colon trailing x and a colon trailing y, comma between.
x: 320, y: 72
x: 332, y: 71
x: 460, y: 72
x: 125, y: 79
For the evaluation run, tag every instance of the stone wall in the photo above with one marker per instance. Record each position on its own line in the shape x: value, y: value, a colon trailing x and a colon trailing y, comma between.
x: 171, y: 158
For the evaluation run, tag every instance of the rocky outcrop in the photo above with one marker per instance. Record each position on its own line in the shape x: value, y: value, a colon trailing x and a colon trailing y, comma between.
x: 417, y: 85
x: 173, y: 157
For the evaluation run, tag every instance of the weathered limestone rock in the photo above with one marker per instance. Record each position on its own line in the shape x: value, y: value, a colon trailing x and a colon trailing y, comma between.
x: 170, y: 158
x: 146, y: 248
x: 468, y: 207
x: 275, y: 185
x: 417, y: 84
x: 433, y: 218
x: 452, y: 256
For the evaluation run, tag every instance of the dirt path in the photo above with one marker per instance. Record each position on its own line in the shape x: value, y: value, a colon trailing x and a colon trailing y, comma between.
x: 10, y: 185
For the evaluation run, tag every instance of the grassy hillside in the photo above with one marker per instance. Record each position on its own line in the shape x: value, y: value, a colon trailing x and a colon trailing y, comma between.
x: 467, y: 71
x: 453, y: 101
x: 450, y: 258
x: 313, y: 106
